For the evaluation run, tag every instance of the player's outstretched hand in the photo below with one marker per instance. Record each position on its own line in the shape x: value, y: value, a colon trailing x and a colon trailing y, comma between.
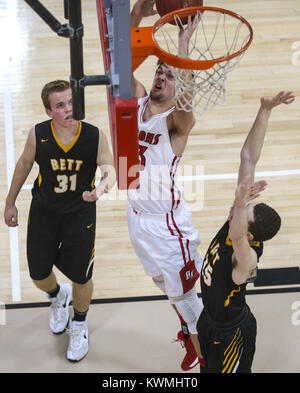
x: 144, y: 8
x: 283, y: 97
x: 246, y: 192
x: 185, y: 34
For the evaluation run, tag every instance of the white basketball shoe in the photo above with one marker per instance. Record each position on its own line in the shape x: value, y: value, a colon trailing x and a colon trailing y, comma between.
x: 79, y: 342
x: 60, y: 309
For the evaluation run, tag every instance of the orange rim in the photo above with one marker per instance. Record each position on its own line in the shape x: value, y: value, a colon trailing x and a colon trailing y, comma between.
x: 181, y: 62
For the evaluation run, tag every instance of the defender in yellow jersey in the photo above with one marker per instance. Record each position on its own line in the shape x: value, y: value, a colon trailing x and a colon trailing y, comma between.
x: 226, y: 327
x: 62, y: 218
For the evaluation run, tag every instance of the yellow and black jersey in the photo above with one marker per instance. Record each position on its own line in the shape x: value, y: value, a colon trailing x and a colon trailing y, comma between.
x: 65, y: 171
x: 222, y: 298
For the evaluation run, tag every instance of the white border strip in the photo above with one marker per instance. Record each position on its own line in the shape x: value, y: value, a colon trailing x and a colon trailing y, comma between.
x: 10, y: 164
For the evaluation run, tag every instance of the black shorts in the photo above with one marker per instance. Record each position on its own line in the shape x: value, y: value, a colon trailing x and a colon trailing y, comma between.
x: 64, y: 240
x: 228, y: 349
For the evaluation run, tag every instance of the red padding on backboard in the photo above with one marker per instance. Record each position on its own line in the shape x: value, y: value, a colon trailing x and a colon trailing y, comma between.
x: 124, y: 136
x: 123, y: 120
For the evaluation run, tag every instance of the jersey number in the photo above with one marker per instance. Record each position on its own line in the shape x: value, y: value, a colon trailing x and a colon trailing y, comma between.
x: 206, y: 272
x: 66, y: 183
x: 142, y: 150
x: 207, y: 267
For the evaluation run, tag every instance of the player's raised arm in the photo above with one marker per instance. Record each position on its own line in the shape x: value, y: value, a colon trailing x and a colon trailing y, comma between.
x: 140, y: 10
x: 184, y: 120
x: 245, y: 257
x: 252, y: 147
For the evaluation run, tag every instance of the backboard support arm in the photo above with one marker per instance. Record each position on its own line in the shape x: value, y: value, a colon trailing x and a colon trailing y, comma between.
x: 74, y: 31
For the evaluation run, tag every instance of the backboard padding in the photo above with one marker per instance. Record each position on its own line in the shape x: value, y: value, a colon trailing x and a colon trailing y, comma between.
x: 114, y: 30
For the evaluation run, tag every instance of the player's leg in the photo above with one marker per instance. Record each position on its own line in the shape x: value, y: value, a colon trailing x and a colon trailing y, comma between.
x: 76, y: 261
x: 189, y: 308
x: 193, y: 352
x: 233, y: 351
x: 165, y: 254
x: 249, y: 332
x: 78, y: 329
x: 203, y: 330
x: 49, y: 284
x: 42, y: 250
x: 82, y: 295
x: 185, y: 241
x: 60, y: 296
x: 225, y: 349
x: 188, y: 341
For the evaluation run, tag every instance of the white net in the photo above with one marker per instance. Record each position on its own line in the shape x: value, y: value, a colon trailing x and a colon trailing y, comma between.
x: 217, y: 35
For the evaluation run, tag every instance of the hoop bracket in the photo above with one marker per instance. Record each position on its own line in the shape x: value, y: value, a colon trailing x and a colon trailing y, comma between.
x: 142, y: 45
x: 74, y: 31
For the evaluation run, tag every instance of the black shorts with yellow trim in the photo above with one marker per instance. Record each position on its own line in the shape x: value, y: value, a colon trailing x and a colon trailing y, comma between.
x: 66, y: 241
x: 228, y: 348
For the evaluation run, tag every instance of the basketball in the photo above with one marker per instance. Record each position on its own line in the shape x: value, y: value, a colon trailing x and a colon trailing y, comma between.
x: 165, y: 6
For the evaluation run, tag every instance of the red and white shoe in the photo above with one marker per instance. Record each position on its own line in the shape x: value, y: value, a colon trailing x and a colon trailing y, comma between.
x: 191, y: 358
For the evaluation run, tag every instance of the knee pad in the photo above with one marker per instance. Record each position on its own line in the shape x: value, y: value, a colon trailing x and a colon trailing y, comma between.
x: 189, y: 307
x: 159, y: 281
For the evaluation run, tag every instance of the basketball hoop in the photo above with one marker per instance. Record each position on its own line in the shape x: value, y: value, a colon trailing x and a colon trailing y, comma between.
x: 216, y: 46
